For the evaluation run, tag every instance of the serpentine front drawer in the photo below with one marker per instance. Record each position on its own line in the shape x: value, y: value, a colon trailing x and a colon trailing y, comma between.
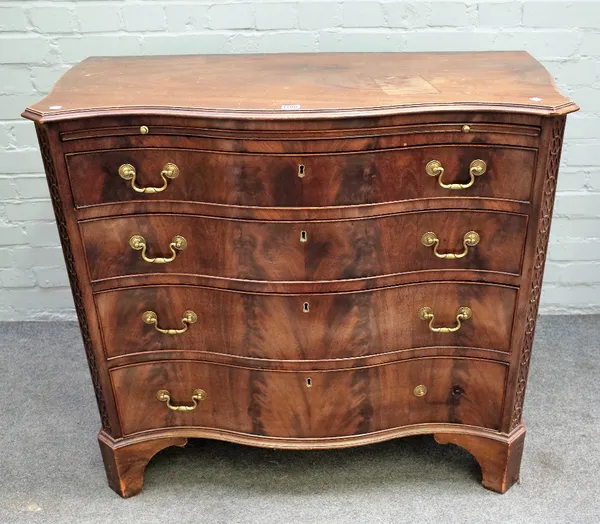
x: 308, y: 405
x: 304, y: 251
x: 292, y: 180
x: 323, y: 326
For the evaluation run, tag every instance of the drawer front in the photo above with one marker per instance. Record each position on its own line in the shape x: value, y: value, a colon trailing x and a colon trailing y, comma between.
x: 303, y: 251
x: 300, y: 180
x: 306, y: 327
x: 311, y: 404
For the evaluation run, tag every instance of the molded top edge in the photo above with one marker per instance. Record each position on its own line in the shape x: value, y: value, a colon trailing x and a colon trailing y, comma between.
x: 303, y: 86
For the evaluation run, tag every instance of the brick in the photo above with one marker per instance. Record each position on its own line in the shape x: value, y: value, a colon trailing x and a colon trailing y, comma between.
x: 12, y: 19
x: 590, y: 44
x: 573, y: 228
x: 76, y: 48
x: 32, y: 187
x: 453, y: 14
x: 16, y: 79
x: 319, y: 15
x: 24, y: 49
x: 44, y: 78
x: 292, y: 42
x: 20, y: 161
x: 541, y: 44
x: 409, y: 15
x: 561, y: 14
x: 98, y: 18
x: 6, y: 135
x: 55, y: 277
x: 585, y: 204
x: 38, y: 299
x: 593, y: 181
x: 581, y: 154
x: 572, y: 272
x: 7, y: 190
x: 576, y: 296
x: 18, y: 211
x: 52, y: 19
x: 582, y: 125
x: 577, y: 72
x: 231, y: 16
x: 571, y: 181
x: 24, y: 134
x: 11, y: 235
x: 499, y: 14
x: 276, y: 16
x: 11, y: 106
x: 181, y: 44
x: 362, y: 41
x: 362, y: 14
x: 573, y: 250
x: 30, y: 257
x: 186, y: 17
x: 587, y: 98
x: 449, y: 41
x: 244, y: 43
x: 17, y: 278
x: 144, y: 17
x: 42, y: 234
x: 6, y: 259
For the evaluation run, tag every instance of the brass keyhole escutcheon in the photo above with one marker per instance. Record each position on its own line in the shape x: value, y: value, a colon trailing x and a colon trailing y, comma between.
x: 303, y: 236
x: 301, y: 170
x: 144, y: 130
x: 306, y: 307
x: 420, y: 390
x: 309, y: 382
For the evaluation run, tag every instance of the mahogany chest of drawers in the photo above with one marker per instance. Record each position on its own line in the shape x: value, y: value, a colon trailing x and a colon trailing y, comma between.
x: 305, y: 251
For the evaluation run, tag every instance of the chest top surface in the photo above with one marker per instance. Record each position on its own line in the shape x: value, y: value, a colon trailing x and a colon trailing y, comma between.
x: 283, y: 86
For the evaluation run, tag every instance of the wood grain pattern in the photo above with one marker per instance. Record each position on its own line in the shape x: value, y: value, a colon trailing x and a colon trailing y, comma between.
x: 273, y: 181
x: 349, y: 402
x: 322, y: 85
x: 126, y: 461
x: 343, y: 373
x: 336, y: 326
x: 499, y: 457
x: 334, y: 250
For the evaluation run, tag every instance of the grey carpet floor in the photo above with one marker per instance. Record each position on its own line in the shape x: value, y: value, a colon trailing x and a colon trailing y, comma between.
x: 51, y: 470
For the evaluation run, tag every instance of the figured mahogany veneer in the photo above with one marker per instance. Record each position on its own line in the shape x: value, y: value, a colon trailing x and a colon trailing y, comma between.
x: 331, y: 250
x: 303, y: 309
x: 312, y: 404
x: 306, y: 327
x: 261, y: 180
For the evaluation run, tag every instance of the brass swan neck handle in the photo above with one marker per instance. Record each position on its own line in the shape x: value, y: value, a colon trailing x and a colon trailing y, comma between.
x: 462, y: 313
x: 169, y: 172
x: 435, y: 168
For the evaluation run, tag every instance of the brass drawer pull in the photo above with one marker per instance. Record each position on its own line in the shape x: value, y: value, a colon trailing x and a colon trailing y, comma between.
x: 189, y: 317
x: 164, y: 396
x: 435, y: 168
x: 138, y: 242
x: 462, y: 313
x: 128, y: 172
x: 470, y: 239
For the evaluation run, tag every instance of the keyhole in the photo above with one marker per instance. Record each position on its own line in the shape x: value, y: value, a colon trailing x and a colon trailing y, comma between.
x: 301, y: 170
x: 306, y: 307
x: 309, y: 382
x: 303, y: 236
x: 457, y: 390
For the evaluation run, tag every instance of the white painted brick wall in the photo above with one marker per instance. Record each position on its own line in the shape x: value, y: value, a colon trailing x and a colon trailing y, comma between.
x: 39, y: 40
